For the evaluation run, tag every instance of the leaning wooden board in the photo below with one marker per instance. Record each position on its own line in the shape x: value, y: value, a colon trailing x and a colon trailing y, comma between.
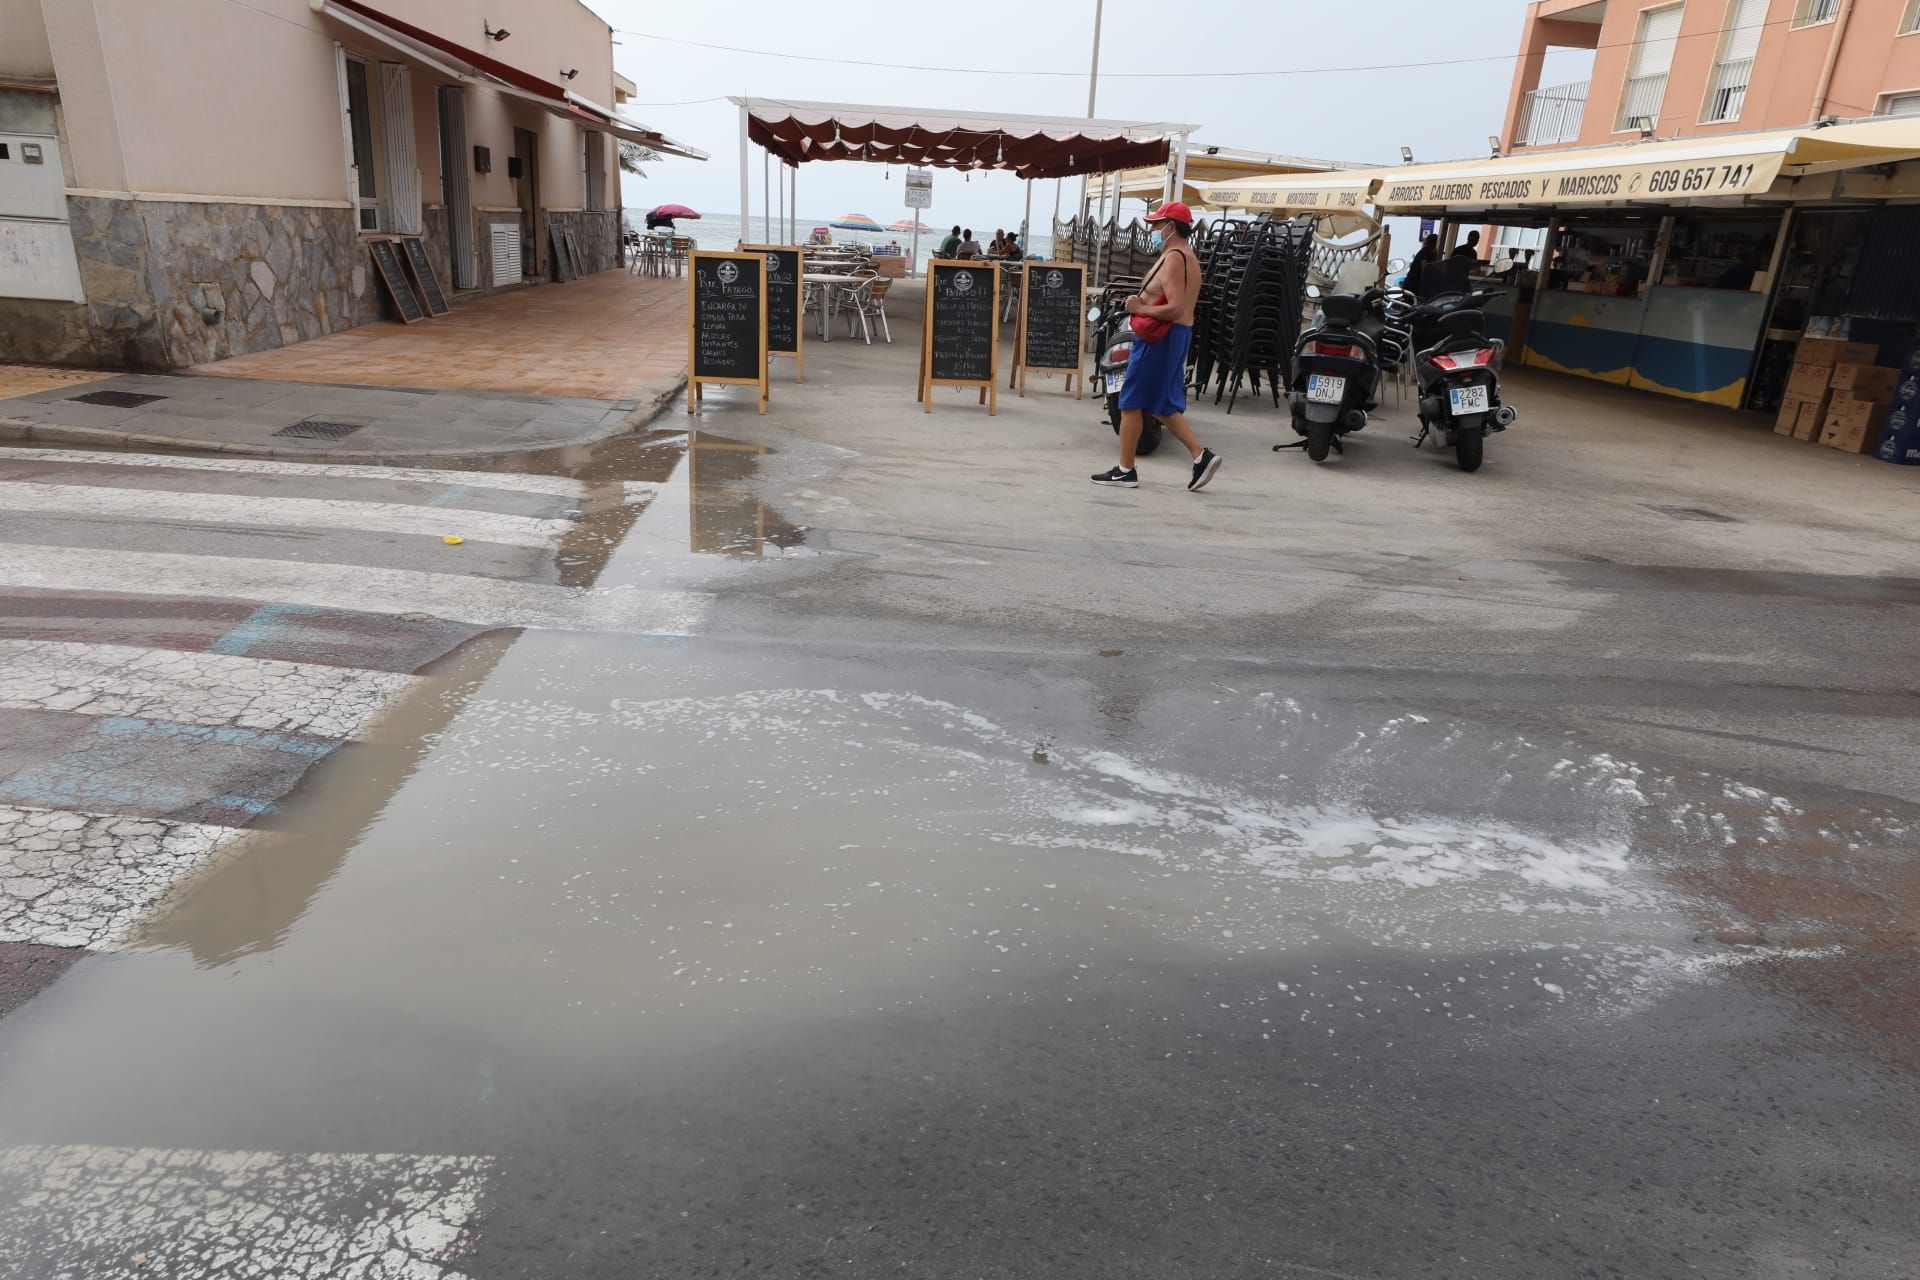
x: 424, y: 279
x: 1053, y: 318
x: 562, y: 260
x: 726, y: 323
x: 786, y: 300
x: 960, y: 342
x: 386, y: 262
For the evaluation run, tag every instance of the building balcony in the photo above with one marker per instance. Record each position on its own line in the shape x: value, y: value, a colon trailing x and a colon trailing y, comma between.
x: 1549, y: 117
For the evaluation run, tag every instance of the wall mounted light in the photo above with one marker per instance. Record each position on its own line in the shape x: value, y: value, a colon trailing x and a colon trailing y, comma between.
x: 1493, y: 144
x: 495, y: 34
x: 1406, y: 155
x: 570, y: 73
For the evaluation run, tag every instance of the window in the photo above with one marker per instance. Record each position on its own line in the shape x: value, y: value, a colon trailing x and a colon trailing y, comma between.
x: 1910, y: 20
x: 361, y: 96
x: 1647, y: 67
x: 1739, y: 41
x: 1898, y: 104
x: 596, y: 168
x: 1810, y: 13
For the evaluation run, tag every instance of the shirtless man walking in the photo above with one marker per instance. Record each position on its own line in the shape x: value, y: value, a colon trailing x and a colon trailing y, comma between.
x: 1157, y: 372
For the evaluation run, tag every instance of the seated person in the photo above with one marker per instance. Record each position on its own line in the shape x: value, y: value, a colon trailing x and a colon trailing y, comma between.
x: 969, y: 247
x: 1012, y: 250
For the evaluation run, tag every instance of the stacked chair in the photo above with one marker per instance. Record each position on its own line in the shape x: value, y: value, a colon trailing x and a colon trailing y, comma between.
x: 1253, y: 281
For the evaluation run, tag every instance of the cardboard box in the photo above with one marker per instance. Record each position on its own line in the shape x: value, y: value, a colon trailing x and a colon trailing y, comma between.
x: 1833, y: 351
x: 1854, y: 434
x: 1789, y: 415
x: 1865, y: 381
x: 1813, y: 415
x: 1808, y: 381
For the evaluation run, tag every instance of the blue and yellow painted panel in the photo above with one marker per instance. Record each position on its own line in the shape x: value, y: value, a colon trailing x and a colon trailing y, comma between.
x: 1698, y: 343
x: 1589, y: 335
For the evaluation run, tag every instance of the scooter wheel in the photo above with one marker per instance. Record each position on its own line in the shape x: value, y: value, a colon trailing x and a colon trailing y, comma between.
x: 1319, y: 440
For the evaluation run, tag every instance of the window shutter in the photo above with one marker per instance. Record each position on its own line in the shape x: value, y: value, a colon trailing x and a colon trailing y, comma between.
x: 1659, y: 29
x: 1746, y: 23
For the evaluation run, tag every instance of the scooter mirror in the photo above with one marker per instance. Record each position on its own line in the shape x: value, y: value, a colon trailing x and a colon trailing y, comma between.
x: 1313, y: 291
x: 1500, y: 266
x: 1396, y: 264
x: 1094, y: 314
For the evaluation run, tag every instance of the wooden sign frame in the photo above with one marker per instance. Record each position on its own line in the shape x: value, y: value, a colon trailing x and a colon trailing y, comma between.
x: 413, y: 255
x: 563, y: 272
x: 395, y: 285
x: 694, y: 380
x: 574, y: 256
x: 798, y: 354
x: 1076, y: 376
x: 989, y: 389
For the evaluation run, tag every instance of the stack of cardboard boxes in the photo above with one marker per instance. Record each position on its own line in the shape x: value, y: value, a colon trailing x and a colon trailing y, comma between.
x: 1837, y: 395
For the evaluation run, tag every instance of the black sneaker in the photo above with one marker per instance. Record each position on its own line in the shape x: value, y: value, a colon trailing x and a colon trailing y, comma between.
x: 1119, y: 478
x: 1204, y: 468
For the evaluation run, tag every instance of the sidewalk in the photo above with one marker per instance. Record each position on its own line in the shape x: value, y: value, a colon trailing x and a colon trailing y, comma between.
x: 536, y: 368
x: 270, y: 419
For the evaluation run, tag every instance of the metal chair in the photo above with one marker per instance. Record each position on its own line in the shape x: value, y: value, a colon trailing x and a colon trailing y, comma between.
x: 867, y: 302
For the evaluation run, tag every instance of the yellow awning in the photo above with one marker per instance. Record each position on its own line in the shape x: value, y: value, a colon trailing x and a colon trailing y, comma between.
x: 1342, y: 191
x: 1726, y: 166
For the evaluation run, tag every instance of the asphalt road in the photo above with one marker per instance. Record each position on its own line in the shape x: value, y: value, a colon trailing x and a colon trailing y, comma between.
x: 882, y: 857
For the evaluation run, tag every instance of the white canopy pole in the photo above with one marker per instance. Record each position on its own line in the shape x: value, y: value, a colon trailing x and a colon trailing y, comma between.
x: 780, y: 200
x: 1093, y: 85
x: 745, y: 207
x: 1026, y: 223
x: 793, y: 207
x: 766, y: 198
x: 1180, y: 168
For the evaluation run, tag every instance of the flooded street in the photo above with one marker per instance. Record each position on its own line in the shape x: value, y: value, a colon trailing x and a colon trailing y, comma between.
x: 743, y: 952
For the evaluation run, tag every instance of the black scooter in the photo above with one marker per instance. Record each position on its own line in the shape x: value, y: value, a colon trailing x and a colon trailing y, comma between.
x: 1457, y: 369
x: 1113, y: 352
x: 1336, y: 369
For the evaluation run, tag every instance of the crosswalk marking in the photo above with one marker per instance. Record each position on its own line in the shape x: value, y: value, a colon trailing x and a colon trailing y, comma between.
x: 189, y: 687
x: 276, y: 512
x: 135, y: 1213
x: 486, y: 602
x: 74, y: 879
x: 551, y: 486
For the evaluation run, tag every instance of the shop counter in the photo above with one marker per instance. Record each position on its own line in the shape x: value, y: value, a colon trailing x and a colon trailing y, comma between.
x: 1698, y: 343
x: 1593, y: 335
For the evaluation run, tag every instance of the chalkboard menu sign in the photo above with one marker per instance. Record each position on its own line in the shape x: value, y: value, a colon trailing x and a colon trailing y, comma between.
x: 386, y: 263
x: 423, y: 277
x: 1053, y: 309
x: 785, y: 301
x: 726, y: 322
x: 960, y: 346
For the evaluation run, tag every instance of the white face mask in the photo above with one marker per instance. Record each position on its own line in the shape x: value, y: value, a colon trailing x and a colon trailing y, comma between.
x: 1159, y: 241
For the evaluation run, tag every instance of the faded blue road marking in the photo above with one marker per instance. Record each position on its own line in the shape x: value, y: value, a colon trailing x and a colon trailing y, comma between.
x: 448, y: 494
x: 159, y: 767
x: 258, y: 627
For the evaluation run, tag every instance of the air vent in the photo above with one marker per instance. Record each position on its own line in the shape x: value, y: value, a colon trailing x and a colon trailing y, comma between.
x: 116, y: 399
x: 319, y: 429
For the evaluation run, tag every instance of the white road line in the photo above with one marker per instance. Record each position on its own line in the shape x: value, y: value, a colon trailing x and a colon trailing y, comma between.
x: 552, y: 486
x: 134, y: 1213
x: 277, y: 512
x: 70, y: 879
x: 485, y: 602
x: 224, y: 690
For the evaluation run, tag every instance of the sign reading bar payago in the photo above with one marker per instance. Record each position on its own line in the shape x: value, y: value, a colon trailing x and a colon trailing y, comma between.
x: 727, y: 323
x: 919, y: 188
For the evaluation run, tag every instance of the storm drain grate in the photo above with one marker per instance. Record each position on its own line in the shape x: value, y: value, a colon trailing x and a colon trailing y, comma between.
x: 1694, y: 513
x: 319, y: 429
x: 116, y: 399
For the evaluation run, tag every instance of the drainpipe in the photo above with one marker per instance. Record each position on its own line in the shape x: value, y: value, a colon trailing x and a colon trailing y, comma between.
x: 1833, y: 60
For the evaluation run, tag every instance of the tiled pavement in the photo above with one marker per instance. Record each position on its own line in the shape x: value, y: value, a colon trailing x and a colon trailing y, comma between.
x: 609, y: 336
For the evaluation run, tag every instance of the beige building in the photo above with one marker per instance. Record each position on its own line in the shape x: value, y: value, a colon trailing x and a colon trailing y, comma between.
x: 185, y: 181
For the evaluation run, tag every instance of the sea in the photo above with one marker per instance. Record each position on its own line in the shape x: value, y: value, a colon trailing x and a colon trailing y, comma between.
x: 722, y: 231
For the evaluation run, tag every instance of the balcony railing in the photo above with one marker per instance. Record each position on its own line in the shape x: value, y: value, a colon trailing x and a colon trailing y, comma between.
x: 1551, y: 115
x: 1728, y: 92
x: 1640, y: 103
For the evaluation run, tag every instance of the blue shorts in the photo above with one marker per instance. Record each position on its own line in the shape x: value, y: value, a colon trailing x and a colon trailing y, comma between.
x: 1157, y: 374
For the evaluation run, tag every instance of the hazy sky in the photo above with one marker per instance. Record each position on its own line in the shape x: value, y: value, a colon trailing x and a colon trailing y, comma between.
x: 1440, y: 111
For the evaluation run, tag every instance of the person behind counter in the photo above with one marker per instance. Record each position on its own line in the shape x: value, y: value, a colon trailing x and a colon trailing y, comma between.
x: 1739, y: 273
x: 1471, y: 249
x: 1429, y: 252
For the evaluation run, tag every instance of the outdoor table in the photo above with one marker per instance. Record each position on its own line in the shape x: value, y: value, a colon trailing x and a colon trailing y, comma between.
x: 826, y: 282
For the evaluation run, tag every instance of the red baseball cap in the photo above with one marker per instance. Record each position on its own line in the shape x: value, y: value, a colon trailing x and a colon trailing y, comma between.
x: 1172, y: 211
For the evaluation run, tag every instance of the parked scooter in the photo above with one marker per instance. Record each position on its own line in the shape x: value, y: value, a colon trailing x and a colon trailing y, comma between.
x: 1336, y: 368
x: 1113, y: 352
x: 1457, y: 369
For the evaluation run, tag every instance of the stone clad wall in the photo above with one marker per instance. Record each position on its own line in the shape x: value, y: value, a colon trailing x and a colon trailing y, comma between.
x: 174, y: 283
x: 597, y: 231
